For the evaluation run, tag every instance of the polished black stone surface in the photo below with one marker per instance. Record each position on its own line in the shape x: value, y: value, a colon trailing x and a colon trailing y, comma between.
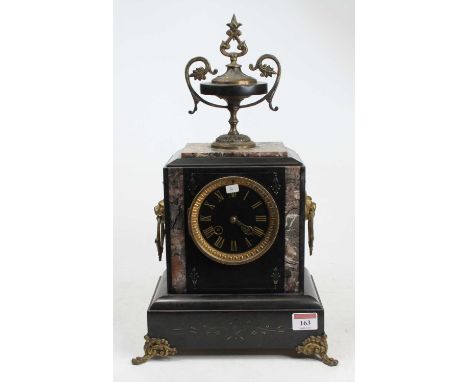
x: 232, y: 321
x: 221, y: 90
x: 253, y: 277
x: 212, y: 277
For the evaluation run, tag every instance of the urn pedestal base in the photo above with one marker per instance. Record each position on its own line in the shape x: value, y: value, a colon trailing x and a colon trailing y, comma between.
x: 206, y: 322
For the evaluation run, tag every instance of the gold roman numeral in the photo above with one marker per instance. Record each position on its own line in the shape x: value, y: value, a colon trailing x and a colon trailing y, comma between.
x: 209, y: 205
x: 249, y: 244
x: 219, y: 195
x: 208, y: 232
x: 260, y: 218
x: 233, y: 246
x: 233, y: 194
x: 205, y: 218
x: 219, y: 242
x: 245, y: 196
x: 258, y: 204
x: 258, y: 231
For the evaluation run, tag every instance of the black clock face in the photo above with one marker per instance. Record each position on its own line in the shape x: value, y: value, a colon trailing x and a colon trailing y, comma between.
x: 233, y: 222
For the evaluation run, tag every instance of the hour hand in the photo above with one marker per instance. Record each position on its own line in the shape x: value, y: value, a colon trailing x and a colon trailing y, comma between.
x: 246, y: 229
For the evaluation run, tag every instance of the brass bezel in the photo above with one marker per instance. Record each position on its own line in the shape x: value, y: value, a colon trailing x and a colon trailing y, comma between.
x: 239, y: 258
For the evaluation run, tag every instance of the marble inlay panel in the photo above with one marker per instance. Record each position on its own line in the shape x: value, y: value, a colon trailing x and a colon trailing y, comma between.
x: 262, y: 149
x: 292, y: 227
x: 177, y: 229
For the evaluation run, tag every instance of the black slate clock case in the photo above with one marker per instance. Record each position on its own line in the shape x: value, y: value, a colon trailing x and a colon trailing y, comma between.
x: 254, y: 277
x: 235, y: 307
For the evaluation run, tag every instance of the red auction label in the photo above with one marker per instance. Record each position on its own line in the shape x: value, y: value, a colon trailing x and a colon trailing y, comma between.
x: 304, y: 321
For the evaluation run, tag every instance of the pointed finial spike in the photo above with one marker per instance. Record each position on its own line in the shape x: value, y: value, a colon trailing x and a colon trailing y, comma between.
x: 233, y: 25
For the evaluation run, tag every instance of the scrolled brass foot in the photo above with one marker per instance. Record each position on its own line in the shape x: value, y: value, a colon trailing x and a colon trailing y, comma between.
x: 155, y: 347
x: 317, y: 347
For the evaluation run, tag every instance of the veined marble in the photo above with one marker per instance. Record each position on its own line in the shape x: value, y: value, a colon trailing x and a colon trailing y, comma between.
x: 262, y: 149
x: 177, y: 229
x: 292, y: 227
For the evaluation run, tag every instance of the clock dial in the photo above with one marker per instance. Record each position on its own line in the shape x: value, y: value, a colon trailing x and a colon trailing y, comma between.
x: 233, y: 220
x: 235, y: 217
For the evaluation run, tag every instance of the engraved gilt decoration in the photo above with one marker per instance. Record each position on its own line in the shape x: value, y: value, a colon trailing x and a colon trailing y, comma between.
x: 276, y: 186
x: 232, y: 330
x: 194, y: 276
x: 275, y: 276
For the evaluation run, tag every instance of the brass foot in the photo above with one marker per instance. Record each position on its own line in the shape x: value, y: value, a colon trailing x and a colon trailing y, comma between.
x: 155, y: 347
x: 317, y: 346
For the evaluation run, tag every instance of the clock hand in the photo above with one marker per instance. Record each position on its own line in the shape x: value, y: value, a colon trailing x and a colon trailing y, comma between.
x: 246, y: 229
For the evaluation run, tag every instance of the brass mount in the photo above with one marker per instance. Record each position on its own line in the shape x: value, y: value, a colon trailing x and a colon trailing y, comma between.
x: 313, y: 346
x: 155, y: 347
x: 160, y: 229
x: 310, y: 207
x: 316, y: 346
x: 233, y: 86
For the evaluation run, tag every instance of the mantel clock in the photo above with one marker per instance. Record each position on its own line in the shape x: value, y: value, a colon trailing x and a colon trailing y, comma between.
x: 233, y: 221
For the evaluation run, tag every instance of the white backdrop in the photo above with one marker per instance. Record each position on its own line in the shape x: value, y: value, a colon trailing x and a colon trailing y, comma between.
x: 314, y: 41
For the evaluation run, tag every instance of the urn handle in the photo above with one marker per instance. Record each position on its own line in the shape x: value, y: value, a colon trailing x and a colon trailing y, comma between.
x: 310, y: 207
x: 160, y: 229
x: 199, y: 74
x: 267, y: 71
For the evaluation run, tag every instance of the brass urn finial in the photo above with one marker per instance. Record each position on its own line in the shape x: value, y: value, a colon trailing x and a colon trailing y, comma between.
x: 234, y: 74
x: 233, y: 86
x: 234, y: 34
x: 233, y: 24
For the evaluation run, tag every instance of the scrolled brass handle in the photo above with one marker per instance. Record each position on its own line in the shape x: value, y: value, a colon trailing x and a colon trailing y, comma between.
x: 310, y: 207
x: 267, y: 71
x: 160, y: 229
x: 199, y: 74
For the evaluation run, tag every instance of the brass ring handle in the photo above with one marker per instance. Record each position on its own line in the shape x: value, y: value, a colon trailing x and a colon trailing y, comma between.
x: 160, y: 230
x: 310, y: 207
